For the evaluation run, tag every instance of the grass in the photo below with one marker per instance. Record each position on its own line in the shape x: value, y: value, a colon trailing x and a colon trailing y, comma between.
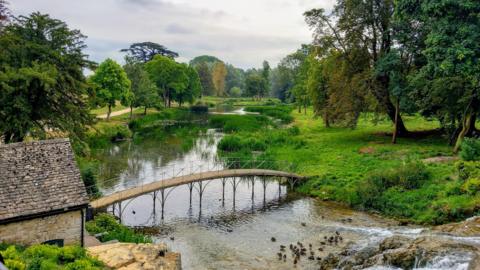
x: 339, y: 161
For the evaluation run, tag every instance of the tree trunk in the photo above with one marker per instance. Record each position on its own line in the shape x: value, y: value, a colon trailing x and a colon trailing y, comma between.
x: 145, y: 111
x: 131, y: 112
x: 109, y: 112
x: 305, y: 107
x: 325, y: 119
x: 397, y: 116
x: 383, y: 98
x: 468, y: 126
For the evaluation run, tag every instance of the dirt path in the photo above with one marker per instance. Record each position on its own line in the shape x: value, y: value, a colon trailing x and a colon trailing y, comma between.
x: 116, y: 113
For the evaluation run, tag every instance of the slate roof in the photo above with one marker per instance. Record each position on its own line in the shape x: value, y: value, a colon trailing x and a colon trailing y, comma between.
x: 39, y: 177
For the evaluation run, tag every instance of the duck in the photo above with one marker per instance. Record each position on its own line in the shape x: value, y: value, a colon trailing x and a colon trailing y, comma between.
x: 273, y: 239
x: 172, y: 238
x: 303, y: 224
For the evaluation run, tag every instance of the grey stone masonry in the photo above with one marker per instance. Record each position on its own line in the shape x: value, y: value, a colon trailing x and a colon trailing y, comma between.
x: 37, y: 178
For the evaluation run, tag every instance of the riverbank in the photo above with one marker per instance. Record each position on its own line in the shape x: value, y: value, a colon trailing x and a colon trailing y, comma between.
x: 361, y: 168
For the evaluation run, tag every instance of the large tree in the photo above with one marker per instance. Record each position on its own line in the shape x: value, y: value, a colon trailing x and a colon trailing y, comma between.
x: 205, y: 79
x: 145, y: 51
x: 219, y: 73
x: 170, y: 77
x: 111, y: 84
x: 144, y: 91
x: 42, y: 86
x: 4, y: 13
x: 364, y: 25
x: 255, y: 84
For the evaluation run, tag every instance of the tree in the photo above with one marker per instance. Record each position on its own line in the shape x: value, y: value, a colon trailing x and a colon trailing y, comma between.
x: 209, y: 60
x: 255, y: 84
x: 266, y: 76
x: 449, y: 81
x: 235, y: 78
x: 205, y: 79
x: 42, y: 86
x: 145, y: 51
x: 219, y: 74
x: 170, y: 77
x: 4, y: 13
x: 144, y: 91
x: 193, y: 88
x: 111, y: 84
x: 235, y: 92
x: 355, y: 26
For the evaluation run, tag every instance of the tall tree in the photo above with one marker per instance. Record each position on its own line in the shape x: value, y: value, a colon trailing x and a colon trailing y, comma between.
x: 358, y: 25
x: 193, y: 87
x: 255, y: 85
x: 452, y: 53
x: 4, y: 13
x: 266, y: 76
x: 235, y: 78
x: 42, y: 86
x: 205, y: 79
x: 111, y: 84
x: 145, y: 51
x: 219, y: 74
x: 144, y: 91
x: 170, y: 77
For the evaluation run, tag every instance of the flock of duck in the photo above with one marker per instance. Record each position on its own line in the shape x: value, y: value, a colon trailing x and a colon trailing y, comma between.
x: 299, y: 250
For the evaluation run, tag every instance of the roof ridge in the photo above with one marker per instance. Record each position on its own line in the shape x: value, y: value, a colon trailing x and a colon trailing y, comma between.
x: 49, y: 141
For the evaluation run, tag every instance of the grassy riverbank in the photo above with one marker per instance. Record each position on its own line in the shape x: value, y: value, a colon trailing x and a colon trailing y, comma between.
x: 361, y: 168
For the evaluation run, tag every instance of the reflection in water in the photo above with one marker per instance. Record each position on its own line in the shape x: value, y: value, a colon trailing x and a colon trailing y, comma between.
x: 232, y: 230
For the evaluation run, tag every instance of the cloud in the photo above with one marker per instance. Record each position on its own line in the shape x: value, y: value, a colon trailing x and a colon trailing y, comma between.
x: 241, y: 32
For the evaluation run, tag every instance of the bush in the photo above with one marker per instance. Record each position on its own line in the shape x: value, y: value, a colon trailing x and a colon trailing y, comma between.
x: 47, y: 257
x: 236, y: 123
x: 468, y: 169
x: 471, y: 186
x: 278, y: 112
x: 407, y: 176
x: 233, y: 143
x: 470, y: 149
x: 89, y: 178
x: 113, y: 230
x: 199, y: 108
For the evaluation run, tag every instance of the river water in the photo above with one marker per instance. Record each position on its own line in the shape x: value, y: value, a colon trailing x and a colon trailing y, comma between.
x: 227, y: 235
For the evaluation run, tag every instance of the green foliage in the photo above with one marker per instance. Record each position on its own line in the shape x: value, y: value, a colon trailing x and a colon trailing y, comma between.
x: 468, y: 169
x: 471, y: 186
x: 111, y: 84
x: 47, y: 257
x: 232, y: 143
x: 144, y: 91
x: 255, y: 85
x: 470, y: 149
x: 146, y: 51
x: 111, y: 229
x: 236, y: 123
x: 405, y: 177
x: 42, y: 86
x: 281, y: 112
x: 89, y: 178
x: 235, y: 92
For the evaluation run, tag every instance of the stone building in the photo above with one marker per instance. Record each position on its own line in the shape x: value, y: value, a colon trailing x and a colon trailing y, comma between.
x: 42, y: 195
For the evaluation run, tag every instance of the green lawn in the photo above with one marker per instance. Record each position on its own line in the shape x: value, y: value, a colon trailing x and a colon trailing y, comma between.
x: 342, y: 161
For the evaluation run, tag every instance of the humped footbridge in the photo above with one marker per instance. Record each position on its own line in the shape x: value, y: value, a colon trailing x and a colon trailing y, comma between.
x: 220, y: 170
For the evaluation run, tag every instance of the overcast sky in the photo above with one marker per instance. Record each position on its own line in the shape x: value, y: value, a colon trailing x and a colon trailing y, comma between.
x: 241, y: 32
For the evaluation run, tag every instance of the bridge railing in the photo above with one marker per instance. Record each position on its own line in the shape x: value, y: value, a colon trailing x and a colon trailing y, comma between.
x: 161, y: 173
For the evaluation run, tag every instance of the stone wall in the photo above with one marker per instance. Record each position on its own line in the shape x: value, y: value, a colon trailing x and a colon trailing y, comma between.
x: 67, y: 226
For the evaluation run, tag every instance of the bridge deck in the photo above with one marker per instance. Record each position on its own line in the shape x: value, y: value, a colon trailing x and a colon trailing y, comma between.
x: 186, y: 179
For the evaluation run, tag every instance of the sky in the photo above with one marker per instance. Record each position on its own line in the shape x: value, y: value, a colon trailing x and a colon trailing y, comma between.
x: 240, y: 32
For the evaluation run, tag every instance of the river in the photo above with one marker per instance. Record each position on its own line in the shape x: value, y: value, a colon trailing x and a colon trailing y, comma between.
x: 246, y: 234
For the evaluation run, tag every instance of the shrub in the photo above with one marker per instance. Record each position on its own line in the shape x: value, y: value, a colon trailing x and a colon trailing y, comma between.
x: 233, y: 143
x: 471, y: 186
x: 48, y: 257
x: 113, y: 230
x: 470, y: 149
x: 468, y: 169
x: 278, y: 112
x: 407, y: 176
x: 199, y: 108
x: 236, y: 123
x: 89, y: 178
